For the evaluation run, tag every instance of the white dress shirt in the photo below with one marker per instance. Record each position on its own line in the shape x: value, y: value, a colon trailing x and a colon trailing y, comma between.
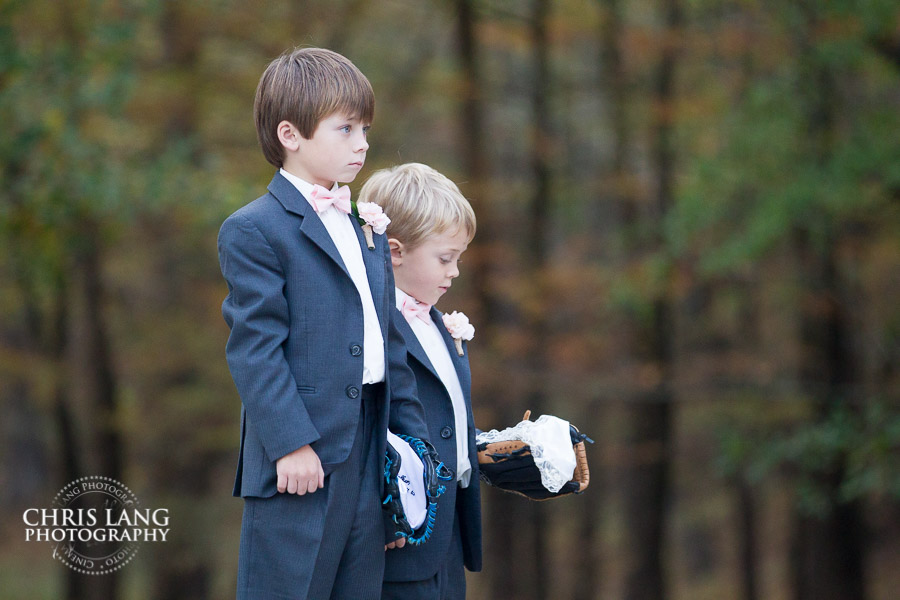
x: 432, y: 341
x: 340, y: 227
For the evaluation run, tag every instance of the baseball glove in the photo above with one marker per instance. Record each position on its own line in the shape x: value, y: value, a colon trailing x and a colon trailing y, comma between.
x: 510, y: 466
x: 399, y: 488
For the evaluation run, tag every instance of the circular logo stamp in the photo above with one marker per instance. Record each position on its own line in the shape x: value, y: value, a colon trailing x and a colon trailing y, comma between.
x: 92, y: 511
x: 95, y: 525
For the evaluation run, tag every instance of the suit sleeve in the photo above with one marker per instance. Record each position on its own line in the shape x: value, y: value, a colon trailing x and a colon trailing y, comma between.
x: 406, y: 413
x: 256, y: 310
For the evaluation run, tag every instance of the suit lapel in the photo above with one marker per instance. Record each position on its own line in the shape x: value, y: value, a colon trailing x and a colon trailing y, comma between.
x: 460, y: 363
x: 413, y: 345
x: 311, y: 226
x: 374, y: 261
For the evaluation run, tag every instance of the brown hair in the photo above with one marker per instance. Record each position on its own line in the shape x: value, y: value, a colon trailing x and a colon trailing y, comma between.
x: 304, y: 86
x: 420, y: 202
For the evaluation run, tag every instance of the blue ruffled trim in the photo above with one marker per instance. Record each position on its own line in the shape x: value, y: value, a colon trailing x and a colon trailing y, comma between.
x: 444, y: 474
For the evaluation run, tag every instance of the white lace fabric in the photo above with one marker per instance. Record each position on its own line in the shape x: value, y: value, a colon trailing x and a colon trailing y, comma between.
x: 551, y: 447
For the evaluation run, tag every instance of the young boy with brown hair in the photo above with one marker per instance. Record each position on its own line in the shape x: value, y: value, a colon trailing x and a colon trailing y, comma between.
x: 314, y: 348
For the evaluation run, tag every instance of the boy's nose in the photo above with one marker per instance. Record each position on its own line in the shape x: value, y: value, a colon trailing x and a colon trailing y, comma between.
x: 362, y: 144
x: 454, y: 271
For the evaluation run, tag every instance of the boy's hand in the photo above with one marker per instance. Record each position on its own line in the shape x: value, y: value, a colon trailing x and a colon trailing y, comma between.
x: 300, y: 471
x: 395, y: 544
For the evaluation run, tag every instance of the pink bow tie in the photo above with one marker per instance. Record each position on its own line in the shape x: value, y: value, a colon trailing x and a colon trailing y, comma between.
x: 321, y: 198
x: 412, y: 308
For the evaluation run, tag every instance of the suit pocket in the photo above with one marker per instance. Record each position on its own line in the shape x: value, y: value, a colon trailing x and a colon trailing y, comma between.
x: 306, y: 389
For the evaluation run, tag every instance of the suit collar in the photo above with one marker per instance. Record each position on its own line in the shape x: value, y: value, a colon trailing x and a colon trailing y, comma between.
x: 413, y: 345
x: 460, y: 363
x: 312, y: 227
x: 289, y: 196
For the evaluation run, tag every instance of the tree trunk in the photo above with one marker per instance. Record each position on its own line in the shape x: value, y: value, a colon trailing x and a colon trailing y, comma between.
x: 540, y: 227
x: 828, y: 550
x: 47, y: 335
x: 747, y: 538
x: 76, y: 583
x: 108, y: 439
x: 500, y: 512
x: 648, y: 485
x: 646, y: 494
x: 615, y: 84
x: 615, y: 90
x: 475, y: 157
x: 186, y: 483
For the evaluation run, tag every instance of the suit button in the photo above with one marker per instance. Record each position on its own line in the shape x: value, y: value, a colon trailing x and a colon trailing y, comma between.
x: 446, y: 432
x: 355, y: 350
x: 352, y: 392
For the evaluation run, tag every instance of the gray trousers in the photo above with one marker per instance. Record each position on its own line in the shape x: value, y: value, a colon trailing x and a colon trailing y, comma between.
x: 324, y: 545
x: 449, y: 583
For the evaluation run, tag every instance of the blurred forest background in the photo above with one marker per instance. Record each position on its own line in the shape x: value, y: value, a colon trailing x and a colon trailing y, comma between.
x: 687, y: 245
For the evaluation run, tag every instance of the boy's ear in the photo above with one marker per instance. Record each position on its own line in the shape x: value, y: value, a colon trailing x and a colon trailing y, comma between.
x: 288, y: 135
x: 396, y: 251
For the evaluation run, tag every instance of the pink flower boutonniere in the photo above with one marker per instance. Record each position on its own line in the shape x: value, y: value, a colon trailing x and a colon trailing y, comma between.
x: 372, y: 218
x: 460, y: 329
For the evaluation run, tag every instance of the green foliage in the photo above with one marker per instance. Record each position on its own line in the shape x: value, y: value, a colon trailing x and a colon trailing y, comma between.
x: 859, y: 447
x: 777, y: 164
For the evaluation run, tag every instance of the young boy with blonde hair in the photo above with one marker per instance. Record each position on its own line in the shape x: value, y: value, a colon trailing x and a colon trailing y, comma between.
x: 314, y: 348
x: 431, y: 226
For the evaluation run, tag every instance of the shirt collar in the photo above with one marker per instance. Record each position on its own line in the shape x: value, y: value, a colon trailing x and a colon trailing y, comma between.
x: 303, y: 186
x: 401, y: 296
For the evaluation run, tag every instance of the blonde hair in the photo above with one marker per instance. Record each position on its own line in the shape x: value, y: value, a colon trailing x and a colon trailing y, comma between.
x: 420, y: 202
x: 304, y: 86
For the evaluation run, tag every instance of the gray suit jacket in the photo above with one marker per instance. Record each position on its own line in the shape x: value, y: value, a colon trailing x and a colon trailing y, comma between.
x: 415, y: 563
x: 296, y: 346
